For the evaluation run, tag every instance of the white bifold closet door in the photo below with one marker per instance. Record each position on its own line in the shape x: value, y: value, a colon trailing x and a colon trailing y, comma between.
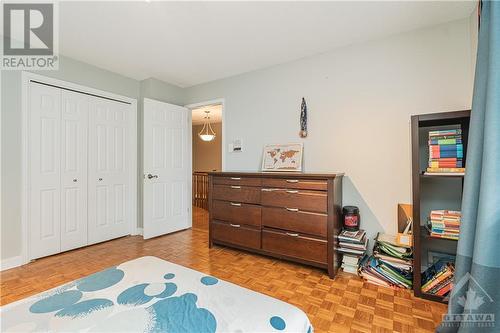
x: 108, y: 170
x: 78, y: 151
x: 74, y: 127
x: 44, y: 170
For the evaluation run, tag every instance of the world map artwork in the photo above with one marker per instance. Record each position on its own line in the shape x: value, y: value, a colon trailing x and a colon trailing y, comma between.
x: 282, y: 157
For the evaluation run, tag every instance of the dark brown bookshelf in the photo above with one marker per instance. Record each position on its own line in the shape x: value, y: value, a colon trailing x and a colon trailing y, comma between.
x: 423, y: 200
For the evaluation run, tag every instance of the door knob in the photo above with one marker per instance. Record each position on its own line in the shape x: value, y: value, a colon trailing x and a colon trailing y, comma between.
x: 150, y: 176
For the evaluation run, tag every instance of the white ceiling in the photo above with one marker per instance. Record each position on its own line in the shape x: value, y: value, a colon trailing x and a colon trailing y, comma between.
x: 187, y: 43
x: 215, y: 114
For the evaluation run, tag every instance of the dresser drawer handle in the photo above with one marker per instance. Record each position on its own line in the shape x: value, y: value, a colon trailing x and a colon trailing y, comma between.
x: 267, y: 189
x: 292, y: 235
x: 292, y: 191
x: 235, y: 178
x: 235, y: 187
x: 234, y: 225
x: 292, y: 209
x: 235, y: 204
x: 292, y: 180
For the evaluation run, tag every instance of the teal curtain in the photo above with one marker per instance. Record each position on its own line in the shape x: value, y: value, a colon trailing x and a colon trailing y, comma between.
x: 474, y: 303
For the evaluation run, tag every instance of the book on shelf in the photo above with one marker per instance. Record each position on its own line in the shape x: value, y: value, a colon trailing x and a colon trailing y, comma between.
x: 438, y: 133
x: 436, y: 155
x: 446, y: 147
x: 437, y: 163
x: 446, y: 140
x: 446, y: 152
x: 445, y: 171
x: 438, y: 278
x: 443, y: 282
x: 444, y: 224
x: 445, y: 289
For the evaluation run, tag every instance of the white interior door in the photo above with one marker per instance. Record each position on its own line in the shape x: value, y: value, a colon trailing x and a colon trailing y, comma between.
x: 44, y: 170
x: 167, y: 168
x: 74, y: 127
x: 109, y: 153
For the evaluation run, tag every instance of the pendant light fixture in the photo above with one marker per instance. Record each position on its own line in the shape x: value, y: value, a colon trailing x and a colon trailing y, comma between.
x: 207, y: 133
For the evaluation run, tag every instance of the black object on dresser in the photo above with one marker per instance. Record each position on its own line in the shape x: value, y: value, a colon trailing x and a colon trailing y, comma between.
x: 293, y: 216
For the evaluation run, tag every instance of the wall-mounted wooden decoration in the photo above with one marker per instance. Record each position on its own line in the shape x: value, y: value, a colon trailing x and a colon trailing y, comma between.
x: 303, y: 119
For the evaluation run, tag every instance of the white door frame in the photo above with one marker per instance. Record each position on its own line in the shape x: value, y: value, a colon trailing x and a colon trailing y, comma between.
x: 25, y: 180
x: 222, y: 102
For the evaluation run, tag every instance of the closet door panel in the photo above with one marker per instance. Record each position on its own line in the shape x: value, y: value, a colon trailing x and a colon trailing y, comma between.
x: 108, y: 170
x: 44, y: 170
x: 74, y: 127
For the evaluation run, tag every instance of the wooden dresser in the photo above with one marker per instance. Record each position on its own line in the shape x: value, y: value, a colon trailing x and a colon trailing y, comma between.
x: 293, y: 216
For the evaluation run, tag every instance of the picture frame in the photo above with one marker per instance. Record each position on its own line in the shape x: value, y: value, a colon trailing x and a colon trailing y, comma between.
x: 282, y: 157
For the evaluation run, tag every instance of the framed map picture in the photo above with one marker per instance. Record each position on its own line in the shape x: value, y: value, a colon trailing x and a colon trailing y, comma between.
x: 282, y: 157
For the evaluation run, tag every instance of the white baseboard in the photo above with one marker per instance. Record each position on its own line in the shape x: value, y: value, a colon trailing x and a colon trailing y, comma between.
x: 138, y: 231
x: 11, y: 263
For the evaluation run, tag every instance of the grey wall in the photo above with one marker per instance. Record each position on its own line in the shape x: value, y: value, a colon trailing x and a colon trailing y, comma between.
x: 360, y: 99
x: 207, y: 156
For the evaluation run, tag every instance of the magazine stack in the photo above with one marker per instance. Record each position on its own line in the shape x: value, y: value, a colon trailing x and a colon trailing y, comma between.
x: 391, y: 264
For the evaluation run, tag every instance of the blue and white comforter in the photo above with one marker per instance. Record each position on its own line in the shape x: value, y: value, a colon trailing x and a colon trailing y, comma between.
x: 152, y: 295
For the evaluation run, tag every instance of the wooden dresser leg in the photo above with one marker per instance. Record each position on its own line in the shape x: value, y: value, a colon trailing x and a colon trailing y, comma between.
x: 331, y: 272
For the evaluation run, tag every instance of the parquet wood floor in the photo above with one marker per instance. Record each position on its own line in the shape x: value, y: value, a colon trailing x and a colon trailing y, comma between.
x: 346, y: 304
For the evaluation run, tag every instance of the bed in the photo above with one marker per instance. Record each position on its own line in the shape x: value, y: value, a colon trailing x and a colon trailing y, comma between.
x: 149, y: 294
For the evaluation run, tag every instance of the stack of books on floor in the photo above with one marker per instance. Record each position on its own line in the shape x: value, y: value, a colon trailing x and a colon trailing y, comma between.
x: 353, y: 245
x: 438, y: 279
x: 390, y: 265
x: 444, y: 224
x: 446, y: 152
x: 350, y: 263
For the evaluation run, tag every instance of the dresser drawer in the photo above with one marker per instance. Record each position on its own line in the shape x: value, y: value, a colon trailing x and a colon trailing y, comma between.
x: 295, y: 220
x: 236, y: 212
x: 294, y: 245
x: 315, y: 201
x: 235, y: 234
x: 248, y: 181
x: 236, y: 193
x: 305, y: 184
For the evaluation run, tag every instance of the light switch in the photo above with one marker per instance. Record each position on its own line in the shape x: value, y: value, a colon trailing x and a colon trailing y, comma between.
x: 235, y: 146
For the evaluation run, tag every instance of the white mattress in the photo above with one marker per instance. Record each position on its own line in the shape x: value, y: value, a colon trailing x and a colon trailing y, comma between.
x: 152, y: 295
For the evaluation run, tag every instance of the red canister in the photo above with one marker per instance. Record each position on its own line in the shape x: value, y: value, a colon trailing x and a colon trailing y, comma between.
x: 350, y: 216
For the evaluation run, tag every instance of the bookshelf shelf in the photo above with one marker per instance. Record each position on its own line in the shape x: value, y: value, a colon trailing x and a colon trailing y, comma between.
x: 435, y: 298
x: 431, y: 192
